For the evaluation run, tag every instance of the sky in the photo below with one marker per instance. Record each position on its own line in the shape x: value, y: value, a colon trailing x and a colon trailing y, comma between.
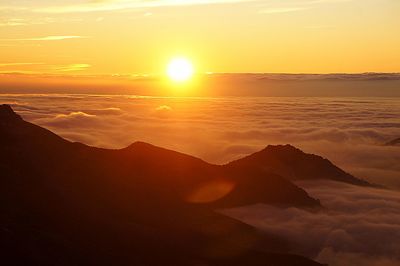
x: 139, y: 37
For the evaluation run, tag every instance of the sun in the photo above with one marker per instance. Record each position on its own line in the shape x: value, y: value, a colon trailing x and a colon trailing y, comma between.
x: 180, y: 69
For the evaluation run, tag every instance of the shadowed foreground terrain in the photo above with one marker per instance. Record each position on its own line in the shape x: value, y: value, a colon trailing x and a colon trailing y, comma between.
x: 66, y: 203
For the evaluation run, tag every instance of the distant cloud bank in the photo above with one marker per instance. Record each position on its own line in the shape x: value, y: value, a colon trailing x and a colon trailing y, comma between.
x: 47, y: 78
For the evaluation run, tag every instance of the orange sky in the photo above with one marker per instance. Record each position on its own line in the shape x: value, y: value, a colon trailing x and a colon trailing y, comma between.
x: 139, y: 37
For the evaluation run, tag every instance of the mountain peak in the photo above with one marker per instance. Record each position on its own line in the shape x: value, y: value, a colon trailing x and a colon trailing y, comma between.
x: 140, y: 146
x: 282, y: 148
x: 7, y: 113
x: 294, y: 164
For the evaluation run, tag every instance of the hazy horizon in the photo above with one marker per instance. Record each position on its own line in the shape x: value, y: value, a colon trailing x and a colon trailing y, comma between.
x: 211, y: 85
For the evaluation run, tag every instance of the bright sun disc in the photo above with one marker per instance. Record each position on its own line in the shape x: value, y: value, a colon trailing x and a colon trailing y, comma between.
x: 180, y: 70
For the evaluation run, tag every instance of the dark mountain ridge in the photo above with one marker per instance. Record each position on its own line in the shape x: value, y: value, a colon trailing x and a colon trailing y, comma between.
x: 37, y: 151
x: 65, y: 203
x: 293, y: 164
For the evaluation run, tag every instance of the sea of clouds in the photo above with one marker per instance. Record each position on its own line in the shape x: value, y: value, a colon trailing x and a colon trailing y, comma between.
x: 351, y: 132
x: 359, y: 226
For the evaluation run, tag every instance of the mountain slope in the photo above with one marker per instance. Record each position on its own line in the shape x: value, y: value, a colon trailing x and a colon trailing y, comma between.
x: 293, y: 164
x: 394, y: 142
x: 64, y: 203
x: 139, y: 168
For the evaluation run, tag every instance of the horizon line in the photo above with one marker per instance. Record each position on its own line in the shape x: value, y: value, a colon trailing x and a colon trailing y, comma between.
x: 139, y: 76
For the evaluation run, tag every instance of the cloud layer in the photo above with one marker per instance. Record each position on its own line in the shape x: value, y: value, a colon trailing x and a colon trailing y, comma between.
x: 359, y: 226
x: 46, y: 38
x: 115, y: 5
x: 349, y: 131
x: 110, y: 5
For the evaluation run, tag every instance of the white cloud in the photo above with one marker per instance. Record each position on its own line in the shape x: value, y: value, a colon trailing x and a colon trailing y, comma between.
x: 114, y: 5
x: 48, y: 38
x: 274, y: 10
x: 163, y: 108
x: 275, y: 7
x: 29, y: 20
x: 358, y: 225
x: 18, y: 64
x: 98, y: 6
x: 71, y: 67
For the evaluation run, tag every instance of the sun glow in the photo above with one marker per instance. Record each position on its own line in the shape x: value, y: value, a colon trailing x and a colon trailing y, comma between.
x: 180, y: 69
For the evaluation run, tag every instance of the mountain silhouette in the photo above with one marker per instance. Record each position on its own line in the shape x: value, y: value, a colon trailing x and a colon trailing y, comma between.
x: 65, y: 203
x: 293, y: 164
